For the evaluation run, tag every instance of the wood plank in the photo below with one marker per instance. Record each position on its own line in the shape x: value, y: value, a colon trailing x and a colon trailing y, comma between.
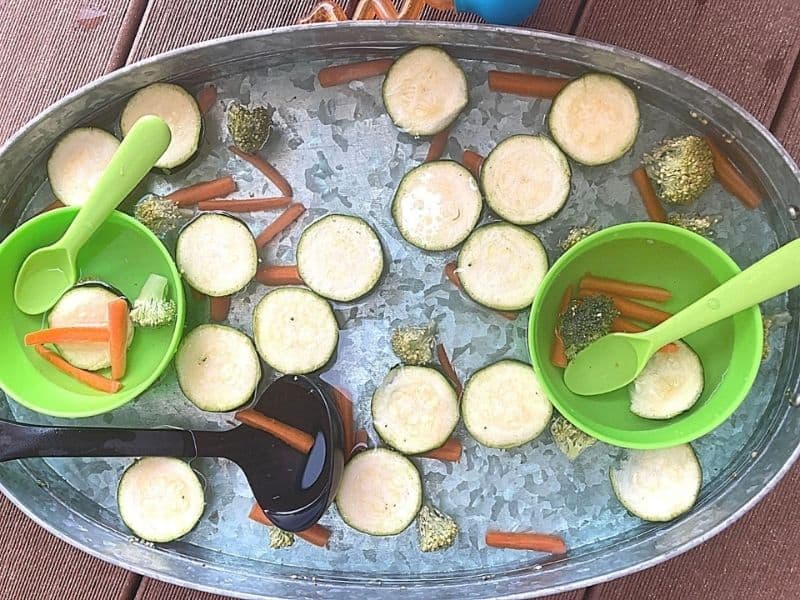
x: 52, y: 48
x: 36, y: 565
x: 786, y: 125
x: 745, y: 49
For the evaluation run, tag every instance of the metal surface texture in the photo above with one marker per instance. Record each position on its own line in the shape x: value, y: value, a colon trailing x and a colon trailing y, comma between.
x: 766, y: 431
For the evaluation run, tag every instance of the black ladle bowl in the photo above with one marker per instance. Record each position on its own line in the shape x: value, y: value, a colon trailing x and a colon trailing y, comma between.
x: 294, y: 490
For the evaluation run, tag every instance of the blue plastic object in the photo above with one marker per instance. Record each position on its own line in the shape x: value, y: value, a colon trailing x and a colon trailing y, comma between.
x: 499, y: 12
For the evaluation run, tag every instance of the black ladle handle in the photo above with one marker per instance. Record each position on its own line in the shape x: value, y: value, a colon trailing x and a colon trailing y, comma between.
x: 18, y: 440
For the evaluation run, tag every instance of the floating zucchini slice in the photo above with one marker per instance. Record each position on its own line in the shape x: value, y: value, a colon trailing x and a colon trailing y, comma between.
x: 658, y: 485
x: 437, y: 205
x: 77, y: 161
x: 594, y: 119
x: 380, y: 493
x: 526, y: 179
x: 179, y: 110
x: 501, y: 266
x: 160, y: 499
x: 503, y: 405
x: 414, y: 409
x: 424, y: 91
x: 217, y: 367
x: 340, y: 257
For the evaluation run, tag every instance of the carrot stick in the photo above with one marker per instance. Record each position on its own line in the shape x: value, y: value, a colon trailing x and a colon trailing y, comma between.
x: 291, y: 436
x: 651, y: 203
x: 219, y: 307
x: 345, y: 406
x: 540, y: 542
x: 620, y: 325
x: 197, y: 295
x: 473, y: 161
x: 730, y: 177
x: 450, y: 271
x: 316, y: 534
x: 206, y: 98
x: 669, y: 348
x: 93, y: 380
x: 448, y: 369
x: 436, y: 148
x: 630, y: 309
x: 450, y: 451
x: 625, y: 288
x: 246, y: 205
x: 267, y: 169
x: 205, y: 190
x: 58, y: 335
x: 360, y: 442
x: 274, y: 275
x: 340, y: 74
x: 523, y: 84
x: 557, y: 354
x: 118, y: 336
x: 286, y: 218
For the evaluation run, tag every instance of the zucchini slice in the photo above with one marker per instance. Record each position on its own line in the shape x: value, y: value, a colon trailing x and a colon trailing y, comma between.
x: 414, y: 409
x: 179, y: 110
x: 501, y: 266
x: 594, y: 119
x: 340, y: 257
x: 217, y: 368
x: 424, y: 91
x: 77, y: 161
x: 658, y: 485
x: 503, y: 405
x: 669, y: 384
x: 85, y: 306
x: 437, y: 205
x: 216, y: 254
x: 380, y: 493
x: 526, y: 179
x: 160, y: 499
x: 295, y: 330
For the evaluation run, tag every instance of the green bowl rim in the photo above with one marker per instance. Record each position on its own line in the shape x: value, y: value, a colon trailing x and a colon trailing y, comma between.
x: 697, y: 431
x: 126, y: 394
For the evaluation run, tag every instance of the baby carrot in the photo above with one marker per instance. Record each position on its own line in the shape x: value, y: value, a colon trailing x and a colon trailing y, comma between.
x: 557, y: 355
x: 651, y: 203
x: 291, y: 436
x: 286, y: 218
x: 274, y: 275
x: 449, y: 370
x: 620, y: 325
x: 245, y: 205
x: 625, y: 288
x: 450, y: 451
x: 436, y: 148
x: 93, y: 380
x: 270, y: 172
x: 345, y: 406
x: 630, y: 309
x: 118, y: 336
x: 316, y: 534
x: 206, y: 98
x: 340, y: 74
x: 360, y: 442
x: 205, y: 190
x: 219, y: 306
x: 540, y: 542
x: 730, y: 177
x: 523, y: 84
x: 473, y: 161
x: 59, y: 335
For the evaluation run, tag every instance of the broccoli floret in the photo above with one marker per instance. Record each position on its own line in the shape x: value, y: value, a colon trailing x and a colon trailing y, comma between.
x: 437, y: 531
x: 586, y: 320
x: 568, y: 438
x: 414, y: 345
x: 158, y: 214
x: 680, y: 168
x: 249, y: 127
x: 280, y: 539
x: 152, y: 308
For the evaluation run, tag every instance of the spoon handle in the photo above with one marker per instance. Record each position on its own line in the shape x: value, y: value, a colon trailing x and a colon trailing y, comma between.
x: 142, y: 147
x: 772, y: 275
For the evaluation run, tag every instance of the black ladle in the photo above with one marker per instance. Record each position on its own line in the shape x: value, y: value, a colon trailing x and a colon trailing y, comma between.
x: 293, y: 490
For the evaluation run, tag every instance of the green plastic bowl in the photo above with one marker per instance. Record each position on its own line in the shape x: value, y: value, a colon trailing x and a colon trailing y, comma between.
x: 121, y: 253
x: 688, y: 265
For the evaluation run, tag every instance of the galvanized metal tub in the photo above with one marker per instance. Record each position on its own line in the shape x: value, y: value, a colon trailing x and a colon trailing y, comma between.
x: 74, y: 499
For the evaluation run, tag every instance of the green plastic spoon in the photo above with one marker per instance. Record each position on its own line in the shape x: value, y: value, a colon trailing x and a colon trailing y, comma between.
x: 49, y: 272
x: 615, y: 360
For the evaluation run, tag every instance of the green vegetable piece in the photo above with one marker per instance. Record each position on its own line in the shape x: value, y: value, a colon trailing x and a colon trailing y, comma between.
x: 586, y: 320
x: 249, y: 127
x: 152, y: 308
x: 437, y: 531
x: 414, y: 345
x: 280, y: 539
x: 568, y: 438
x: 158, y: 214
x: 680, y: 168
x: 694, y: 222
